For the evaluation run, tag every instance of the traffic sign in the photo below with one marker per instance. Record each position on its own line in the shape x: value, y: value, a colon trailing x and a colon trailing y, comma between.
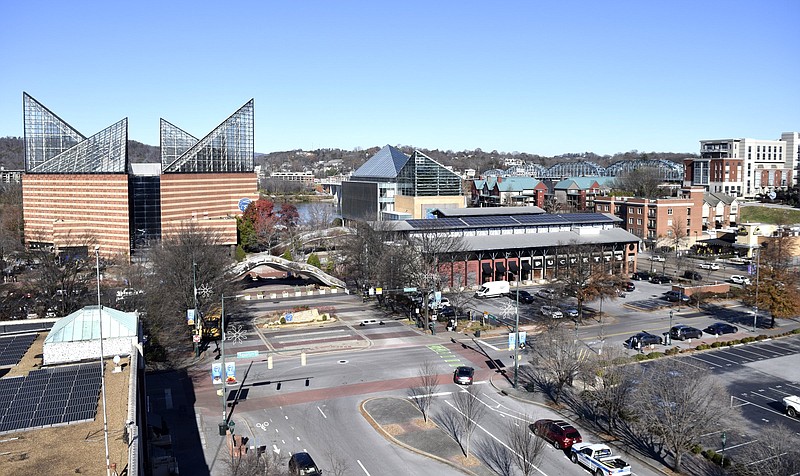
x: 409, y: 290
x: 196, y: 338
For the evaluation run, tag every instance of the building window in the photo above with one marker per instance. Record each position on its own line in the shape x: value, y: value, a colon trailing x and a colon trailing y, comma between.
x: 630, y: 221
x: 688, y: 211
x: 669, y: 222
x: 638, y: 221
x: 669, y: 233
x: 669, y: 211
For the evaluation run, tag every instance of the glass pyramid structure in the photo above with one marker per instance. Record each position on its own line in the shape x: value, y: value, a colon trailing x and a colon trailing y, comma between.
x: 228, y: 148
x: 53, y: 146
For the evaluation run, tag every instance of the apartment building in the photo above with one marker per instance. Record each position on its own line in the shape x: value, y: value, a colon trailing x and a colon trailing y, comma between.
x: 745, y: 167
x: 669, y: 221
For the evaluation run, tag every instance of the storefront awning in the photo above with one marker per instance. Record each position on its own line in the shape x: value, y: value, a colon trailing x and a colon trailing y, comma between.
x: 512, y: 267
x: 500, y: 267
x: 487, y: 269
x: 526, y: 266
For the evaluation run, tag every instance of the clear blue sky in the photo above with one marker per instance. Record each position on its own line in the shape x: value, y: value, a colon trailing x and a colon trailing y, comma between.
x: 529, y: 76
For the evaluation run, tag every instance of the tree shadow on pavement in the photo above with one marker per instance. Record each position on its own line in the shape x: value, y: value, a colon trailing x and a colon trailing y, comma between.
x: 449, y: 421
x: 495, y: 456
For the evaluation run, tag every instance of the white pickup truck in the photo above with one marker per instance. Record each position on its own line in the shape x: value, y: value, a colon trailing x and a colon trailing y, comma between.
x: 792, y: 405
x: 598, y: 459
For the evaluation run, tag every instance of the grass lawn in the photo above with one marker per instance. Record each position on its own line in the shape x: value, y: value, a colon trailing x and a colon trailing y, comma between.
x: 754, y: 213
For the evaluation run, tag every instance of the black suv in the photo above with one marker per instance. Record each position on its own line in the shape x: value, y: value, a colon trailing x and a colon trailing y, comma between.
x: 660, y: 279
x: 694, y: 275
x: 303, y: 464
x: 682, y: 332
x: 640, y: 276
x: 641, y: 339
x: 524, y: 296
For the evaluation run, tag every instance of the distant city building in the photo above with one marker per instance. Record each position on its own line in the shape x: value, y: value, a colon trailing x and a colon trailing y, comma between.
x: 305, y: 176
x: 746, y: 167
x: 391, y: 181
x: 82, y: 191
x: 507, y: 191
x: 10, y: 176
x: 578, y: 193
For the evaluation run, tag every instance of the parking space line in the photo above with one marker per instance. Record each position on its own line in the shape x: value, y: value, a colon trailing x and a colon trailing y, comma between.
x: 703, y: 361
x: 715, y: 355
x: 751, y: 351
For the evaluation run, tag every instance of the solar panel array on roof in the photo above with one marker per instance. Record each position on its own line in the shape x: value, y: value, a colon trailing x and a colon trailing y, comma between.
x: 49, y: 397
x: 13, y: 348
x: 436, y: 223
x: 499, y: 220
x: 468, y: 221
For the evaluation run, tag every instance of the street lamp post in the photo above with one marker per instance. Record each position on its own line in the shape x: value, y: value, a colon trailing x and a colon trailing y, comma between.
x: 102, y: 367
x: 222, y: 353
x: 196, y: 315
x: 755, y: 314
x: 670, y: 318
x: 516, y: 340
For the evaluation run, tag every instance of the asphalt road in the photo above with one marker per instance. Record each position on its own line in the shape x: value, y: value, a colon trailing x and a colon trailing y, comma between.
x: 314, y: 407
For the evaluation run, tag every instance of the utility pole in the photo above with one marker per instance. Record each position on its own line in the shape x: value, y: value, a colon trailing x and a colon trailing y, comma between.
x: 516, y: 340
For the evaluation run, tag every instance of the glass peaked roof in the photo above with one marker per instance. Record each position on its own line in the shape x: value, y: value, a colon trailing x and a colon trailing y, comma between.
x: 46, y: 135
x: 174, y: 142
x: 385, y: 164
x: 53, y: 146
x: 104, y: 152
x: 228, y: 148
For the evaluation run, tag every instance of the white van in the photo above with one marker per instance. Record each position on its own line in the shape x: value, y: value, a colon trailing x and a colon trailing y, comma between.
x: 493, y: 289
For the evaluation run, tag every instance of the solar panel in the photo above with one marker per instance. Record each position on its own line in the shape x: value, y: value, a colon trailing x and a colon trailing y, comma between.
x: 498, y: 220
x: 13, y: 348
x: 50, y: 396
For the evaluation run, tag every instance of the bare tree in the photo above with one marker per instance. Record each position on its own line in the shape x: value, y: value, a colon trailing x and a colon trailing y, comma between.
x: 557, y: 358
x: 611, y: 388
x: 187, y: 251
x: 423, y: 394
x: 337, y: 465
x: 778, y: 455
x: 471, y: 410
x: 677, y: 404
x: 267, y: 463
x: 526, y: 446
x: 643, y: 182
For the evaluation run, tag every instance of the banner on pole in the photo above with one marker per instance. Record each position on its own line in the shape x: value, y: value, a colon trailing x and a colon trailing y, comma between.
x: 216, y: 373
x: 230, y: 373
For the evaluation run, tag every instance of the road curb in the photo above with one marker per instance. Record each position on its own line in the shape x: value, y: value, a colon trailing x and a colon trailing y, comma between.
x: 392, y: 439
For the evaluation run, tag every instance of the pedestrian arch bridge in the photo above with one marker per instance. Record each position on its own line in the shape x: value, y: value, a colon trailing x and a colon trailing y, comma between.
x: 304, y: 269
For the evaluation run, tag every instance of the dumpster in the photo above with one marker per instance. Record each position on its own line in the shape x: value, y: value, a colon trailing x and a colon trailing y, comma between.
x: 478, y: 333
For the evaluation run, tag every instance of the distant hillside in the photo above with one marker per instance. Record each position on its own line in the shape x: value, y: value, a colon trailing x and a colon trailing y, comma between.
x: 12, y: 152
x: 327, y: 161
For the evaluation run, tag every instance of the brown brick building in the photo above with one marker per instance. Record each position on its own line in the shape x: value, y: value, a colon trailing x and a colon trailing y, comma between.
x: 80, y: 191
x: 663, y: 221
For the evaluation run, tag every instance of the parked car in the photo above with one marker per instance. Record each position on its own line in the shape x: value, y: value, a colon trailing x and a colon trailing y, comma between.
x: 570, y: 312
x: 683, y: 332
x: 712, y: 266
x: 463, y: 375
x: 693, y: 275
x: 303, y: 464
x: 644, y: 338
x: 657, y: 258
x: 547, y: 293
x: 719, y: 328
x: 551, y: 311
x: 739, y: 279
x: 524, y: 296
x: 675, y: 296
x: 629, y: 286
x: 558, y: 432
x: 660, y: 279
x: 444, y: 302
x: 640, y: 276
